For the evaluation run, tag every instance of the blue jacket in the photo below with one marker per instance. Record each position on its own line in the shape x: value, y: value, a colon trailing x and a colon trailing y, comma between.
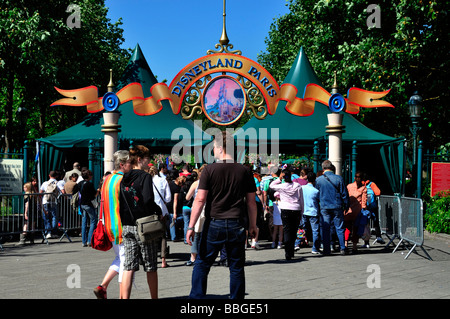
x: 330, y: 198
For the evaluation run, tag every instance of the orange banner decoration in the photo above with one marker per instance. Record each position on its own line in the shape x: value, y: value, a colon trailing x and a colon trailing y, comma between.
x: 132, y: 92
x: 80, y: 97
x: 314, y: 93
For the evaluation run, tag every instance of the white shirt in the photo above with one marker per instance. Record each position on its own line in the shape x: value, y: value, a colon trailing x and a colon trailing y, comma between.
x: 44, y: 189
x: 164, y: 190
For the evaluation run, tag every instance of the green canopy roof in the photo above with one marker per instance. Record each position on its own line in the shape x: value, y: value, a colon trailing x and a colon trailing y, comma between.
x: 304, y: 130
x: 154, y: 130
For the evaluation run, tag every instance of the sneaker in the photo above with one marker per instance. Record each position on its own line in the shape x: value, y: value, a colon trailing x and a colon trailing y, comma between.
x: 100, y: 292
x: 380, y: 241
x: 189, y: 263
x: 297, y: 248
x: 49, y: 235
x: 365, y: 246
x: 315, y: 252
x: 273, y: 245
x: 256, y: 245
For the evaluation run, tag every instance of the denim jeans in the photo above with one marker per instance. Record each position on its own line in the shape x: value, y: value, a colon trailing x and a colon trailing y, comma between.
x: 173, y: 229
x: 215, y: 234
x: 51, y: 218
x: 186, y: 218
x: 315, y: 226
x: 88, y: 212
x: 336, y: 217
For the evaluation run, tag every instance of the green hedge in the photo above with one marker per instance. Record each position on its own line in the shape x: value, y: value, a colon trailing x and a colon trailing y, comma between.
x: 437, y: 214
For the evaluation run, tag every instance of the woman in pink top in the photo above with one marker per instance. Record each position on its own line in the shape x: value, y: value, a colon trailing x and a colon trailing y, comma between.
x: 357, y: 193
x: 291, y: 207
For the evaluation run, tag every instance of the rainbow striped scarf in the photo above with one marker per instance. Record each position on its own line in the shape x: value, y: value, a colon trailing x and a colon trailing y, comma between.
x: 110, y: 206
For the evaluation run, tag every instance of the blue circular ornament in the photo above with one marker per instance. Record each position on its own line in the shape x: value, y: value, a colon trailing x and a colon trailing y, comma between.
x: 336, y: 103
x: 110, y: 101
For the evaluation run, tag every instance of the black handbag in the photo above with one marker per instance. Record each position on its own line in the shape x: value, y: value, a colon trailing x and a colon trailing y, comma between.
x: 149, y: 228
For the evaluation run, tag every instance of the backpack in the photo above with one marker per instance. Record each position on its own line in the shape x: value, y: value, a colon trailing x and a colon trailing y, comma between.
x: 371, y: 203
x: 270, y: 191
x: 52, y: 191
x: 76, y: 199
x: 271, y: 194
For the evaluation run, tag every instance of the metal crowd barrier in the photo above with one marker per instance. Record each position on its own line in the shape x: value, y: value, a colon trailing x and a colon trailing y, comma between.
x: 388, y: 210
x: 411, y: 224
x: 402, y: 217
x: 12, y: 216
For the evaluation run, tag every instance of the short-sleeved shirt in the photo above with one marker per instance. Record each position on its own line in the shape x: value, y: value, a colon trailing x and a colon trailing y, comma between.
x: 227, y: 185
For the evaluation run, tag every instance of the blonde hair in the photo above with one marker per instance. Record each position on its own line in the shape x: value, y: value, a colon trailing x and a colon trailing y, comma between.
x: 28, y: 188
x: 180, y: 180
x: 153, y: 171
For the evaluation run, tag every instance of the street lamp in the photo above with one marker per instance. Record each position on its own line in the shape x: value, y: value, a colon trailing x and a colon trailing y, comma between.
x: 415, y: 107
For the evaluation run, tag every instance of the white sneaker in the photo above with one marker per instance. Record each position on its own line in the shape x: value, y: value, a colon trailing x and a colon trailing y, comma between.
x: 256, y: 245
x: 49, y: 235
x: 297, y: 248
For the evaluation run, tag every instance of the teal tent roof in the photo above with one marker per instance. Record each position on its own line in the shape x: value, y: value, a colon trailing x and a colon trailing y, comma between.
x: 304, y: 130
x: 153, y: 131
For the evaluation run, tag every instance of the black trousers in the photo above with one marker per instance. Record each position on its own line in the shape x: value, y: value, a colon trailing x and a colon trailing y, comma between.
x: 291, y: 221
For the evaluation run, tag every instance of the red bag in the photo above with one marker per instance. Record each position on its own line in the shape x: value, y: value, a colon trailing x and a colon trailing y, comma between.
x: 100, y: 239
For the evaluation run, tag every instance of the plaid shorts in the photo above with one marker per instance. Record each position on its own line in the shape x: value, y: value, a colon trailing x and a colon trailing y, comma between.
x: 137, y: 252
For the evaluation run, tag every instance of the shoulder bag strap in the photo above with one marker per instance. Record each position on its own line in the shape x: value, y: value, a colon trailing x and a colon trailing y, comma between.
x: 126, y: 202
x: 159, y: 193
x: 337, y: 189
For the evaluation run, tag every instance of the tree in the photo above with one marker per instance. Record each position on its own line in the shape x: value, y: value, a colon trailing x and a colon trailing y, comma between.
x: 40, y: 48
x: 408, y: 52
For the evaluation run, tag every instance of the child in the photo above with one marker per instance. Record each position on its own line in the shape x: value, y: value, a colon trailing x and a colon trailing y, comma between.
x: 277, y: 223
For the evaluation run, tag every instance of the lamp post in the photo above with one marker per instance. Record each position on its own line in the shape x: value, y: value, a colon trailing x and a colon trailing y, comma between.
x: 415, y: 107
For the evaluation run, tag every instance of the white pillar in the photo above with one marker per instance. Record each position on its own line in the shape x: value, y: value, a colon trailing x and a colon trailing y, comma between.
x: 111, y: 130
x: 335, y: 130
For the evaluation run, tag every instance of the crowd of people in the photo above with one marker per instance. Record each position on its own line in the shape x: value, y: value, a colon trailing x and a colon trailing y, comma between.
x: 43, y: 208
x: 220, y: 208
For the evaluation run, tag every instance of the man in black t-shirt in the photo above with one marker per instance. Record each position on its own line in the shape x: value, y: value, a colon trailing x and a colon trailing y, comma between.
x: 227, y: 191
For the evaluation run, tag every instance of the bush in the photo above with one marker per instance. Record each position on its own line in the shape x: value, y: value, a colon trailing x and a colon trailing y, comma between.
x: 438, y: 213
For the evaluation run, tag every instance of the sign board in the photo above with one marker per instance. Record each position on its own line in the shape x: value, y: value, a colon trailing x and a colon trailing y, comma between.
x: 440, y: 177
x: 11, y: 176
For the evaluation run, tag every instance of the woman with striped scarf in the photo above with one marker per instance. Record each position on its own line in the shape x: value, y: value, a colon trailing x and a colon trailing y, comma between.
x: 109, y: 206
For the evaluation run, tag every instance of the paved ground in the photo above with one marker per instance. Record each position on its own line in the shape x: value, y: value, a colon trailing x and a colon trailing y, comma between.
x: 66, y: 270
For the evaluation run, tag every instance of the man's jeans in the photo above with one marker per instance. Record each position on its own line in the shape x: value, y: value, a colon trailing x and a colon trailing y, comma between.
x: 51, y: 218
x: 216, y: 233
x: 315, y: 226
x: 336, y: 217
x: 88, y: 212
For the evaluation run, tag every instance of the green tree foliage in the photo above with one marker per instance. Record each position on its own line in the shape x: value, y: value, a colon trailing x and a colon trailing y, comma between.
x: 410, y: 51
x: 40, y: 49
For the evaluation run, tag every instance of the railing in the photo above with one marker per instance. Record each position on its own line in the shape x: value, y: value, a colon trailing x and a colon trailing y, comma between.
x: 402, y: 217
x: 388, y: 209
x: 14, y: 220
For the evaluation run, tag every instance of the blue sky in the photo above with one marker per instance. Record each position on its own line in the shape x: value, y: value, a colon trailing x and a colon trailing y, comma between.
x: 173, y: 33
